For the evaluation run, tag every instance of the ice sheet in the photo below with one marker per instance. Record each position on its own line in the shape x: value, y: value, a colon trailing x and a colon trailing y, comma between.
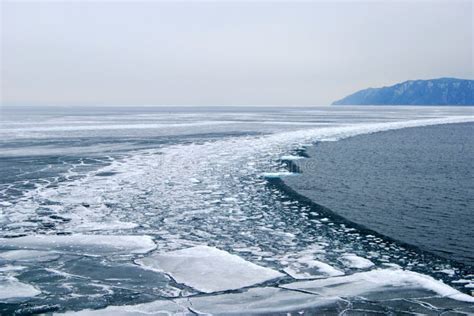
x: 209, y: 269
x: 79, y: 243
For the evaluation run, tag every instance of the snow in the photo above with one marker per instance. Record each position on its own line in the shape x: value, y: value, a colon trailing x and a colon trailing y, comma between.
x: 11, y: 287
x: 377, y: 280
x: 79, y: 243
x: 353, y: 261
x: 208, y: 269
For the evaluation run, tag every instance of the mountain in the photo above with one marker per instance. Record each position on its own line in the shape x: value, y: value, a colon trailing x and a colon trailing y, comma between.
x: 443, y: 91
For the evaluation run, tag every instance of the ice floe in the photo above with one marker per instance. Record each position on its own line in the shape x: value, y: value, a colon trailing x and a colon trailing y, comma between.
x: 308, y: 268
x: 209, y: 269
x: 275, y: 175
x: 28, y: 255
x: 11, y: 288
x: 378, y: 280
x: 107, y: 225
x: 266, y: 300
x: 353, y: 261
x: 291, y: 157
x: 161, y: 308
x: 79, y: 243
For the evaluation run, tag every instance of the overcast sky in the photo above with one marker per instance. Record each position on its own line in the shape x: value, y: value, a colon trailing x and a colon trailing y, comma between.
x: 225, y: 53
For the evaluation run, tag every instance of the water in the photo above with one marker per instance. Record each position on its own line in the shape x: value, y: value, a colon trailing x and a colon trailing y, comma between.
x: 414, y: 185
x: 108, y: 185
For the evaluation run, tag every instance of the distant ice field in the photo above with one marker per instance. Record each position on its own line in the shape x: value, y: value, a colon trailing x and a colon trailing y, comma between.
x: 102, y: 204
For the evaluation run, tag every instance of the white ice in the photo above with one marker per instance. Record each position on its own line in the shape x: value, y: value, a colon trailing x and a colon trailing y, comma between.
x: 157, y: 308
x: 209, y: 269
x: 275, y: 175
x: 28, y: 255
x: 353, y: 261
x: 291, y: 157
x: 11, y: 288
x: 107, y: 225
x: 362, y: 283
x: 265, y: 300
x: 308, y: 268
x: 85, y: 244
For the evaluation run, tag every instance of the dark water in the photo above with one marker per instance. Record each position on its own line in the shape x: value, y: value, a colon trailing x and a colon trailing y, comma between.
x: 413, y: 185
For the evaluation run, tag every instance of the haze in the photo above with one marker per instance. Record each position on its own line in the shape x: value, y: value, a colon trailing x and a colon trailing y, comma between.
x: 225, y: 53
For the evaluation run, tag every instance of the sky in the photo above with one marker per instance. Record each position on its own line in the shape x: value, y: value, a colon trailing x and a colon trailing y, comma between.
x: 225, y: 53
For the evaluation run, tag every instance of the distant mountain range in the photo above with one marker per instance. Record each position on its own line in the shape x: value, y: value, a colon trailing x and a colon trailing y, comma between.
x: 443, y: 91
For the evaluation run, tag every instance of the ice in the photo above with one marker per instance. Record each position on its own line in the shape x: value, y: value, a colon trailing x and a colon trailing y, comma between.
x: 108, y: 225
x: 353, y: 261
x: 11, y: 288
x: 85, y: 244
x: 449, y: 272
x: 291, y: 157
x: 308, y: 268
x: 209, y: 269
x: 378, y: 280
x: 275, y: 175
x: 28, y: 255
x: 266, y: 300
x: 10, y: 268
x: 161, y: 308
x: 186, y: 193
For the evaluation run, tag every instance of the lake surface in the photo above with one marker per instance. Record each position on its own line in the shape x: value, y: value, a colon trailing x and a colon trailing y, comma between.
x: 99, y: 206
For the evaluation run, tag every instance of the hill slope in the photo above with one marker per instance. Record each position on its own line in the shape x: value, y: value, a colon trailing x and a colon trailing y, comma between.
x: 443, y: 91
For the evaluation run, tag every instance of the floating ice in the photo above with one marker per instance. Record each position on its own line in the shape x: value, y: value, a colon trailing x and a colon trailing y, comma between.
x: 266, y: 300
x: 291, y: 157
x: 28, y: 255
x: 308, y: 268
x: 275, y: 175
x: 11, y: 288
x: 10, y: 268
x: 362, y: 283
x: 79, y: 243
x: 209, y: 269
x: 161, y: 308
x: 353, y: 261
x: 111, y: 225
